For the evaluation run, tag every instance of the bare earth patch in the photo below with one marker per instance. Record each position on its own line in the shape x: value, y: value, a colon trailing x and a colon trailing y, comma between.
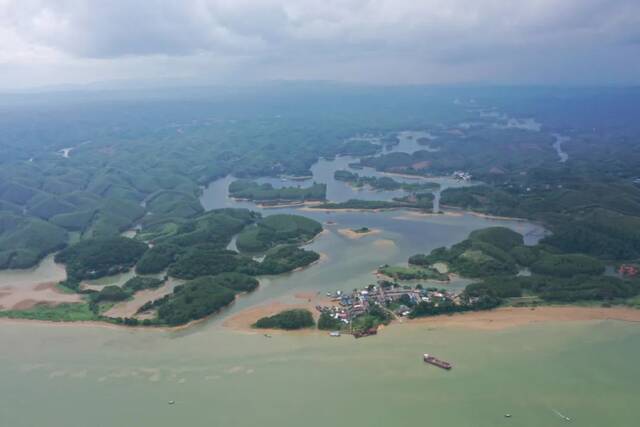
x: 130, y: 307
x: 45, y: 286
x: 25, y: 297
x: 25, y: 304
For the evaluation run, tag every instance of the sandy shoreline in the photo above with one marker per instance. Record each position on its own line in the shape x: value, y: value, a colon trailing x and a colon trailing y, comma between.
x: 408, y: 176
x: 492, y: 320
x: 289, y: 205
x: 508, y: 317
x: 266, y: 205
x: 376, y: 210
x: 414, y: 215
x: 351, y: 234
x: 23, y: 298
x: 311, y: 209
x: 443, y: 283
x: 453, y: 210
x: 243, y: 320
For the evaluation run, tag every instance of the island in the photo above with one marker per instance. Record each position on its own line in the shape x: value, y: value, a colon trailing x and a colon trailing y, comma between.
x: 357, y: 233
x: 424, y: 204
x: 267, y: 195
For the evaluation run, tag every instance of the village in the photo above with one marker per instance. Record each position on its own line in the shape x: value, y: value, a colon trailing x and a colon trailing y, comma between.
x: 362, y: 311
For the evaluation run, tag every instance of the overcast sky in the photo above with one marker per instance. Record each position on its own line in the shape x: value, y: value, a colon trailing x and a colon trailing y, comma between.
x: 51, y: 42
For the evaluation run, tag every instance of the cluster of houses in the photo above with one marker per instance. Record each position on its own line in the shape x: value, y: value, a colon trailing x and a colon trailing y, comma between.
x: 397, y: 298
x: 628, y: 270
x: 462, y: 176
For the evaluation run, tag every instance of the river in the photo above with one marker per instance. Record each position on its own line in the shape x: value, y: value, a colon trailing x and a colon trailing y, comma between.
x: 79, y: 375
x: 557, y: 145
x: 75, y: 376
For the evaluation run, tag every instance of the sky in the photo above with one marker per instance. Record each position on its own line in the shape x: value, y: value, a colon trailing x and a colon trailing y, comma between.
x: 60, y: 42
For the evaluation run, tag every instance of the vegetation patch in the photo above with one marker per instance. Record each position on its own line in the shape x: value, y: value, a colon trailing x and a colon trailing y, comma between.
x: 567, y: 265
x: 364, y: 204
x: 251, y: 190
x: 207, y: 260
x: 67, y: 312
x: 277, y: 229
x: 199, y: 298
x: 95, y: 258
x: 485, y: 253
x: 326, y: 322
x: 413, y: 272
x: 288, y: 320
x: 374, y: 317
x: 194, y: 300
x: 24, y: 241
x: 383, y: 183
x: 282, y: 259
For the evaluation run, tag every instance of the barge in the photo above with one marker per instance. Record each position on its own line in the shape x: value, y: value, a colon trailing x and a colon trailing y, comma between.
x: 432, y: 360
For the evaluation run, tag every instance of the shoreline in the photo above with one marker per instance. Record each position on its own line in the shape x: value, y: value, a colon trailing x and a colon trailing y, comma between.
x: 487, y: 320
x: 323, y: 258
x: 324, y: 232
x: 414, y: 215
x: 407, y: 175
x: 376, y: 210
x: 508, y: 317
x: 354, y: 235
x: 287, y: 205
x: 435, y: 281
x: 241, y: 322
x: 454, y: 209
x: 490, y: 320
x: 264, y: 204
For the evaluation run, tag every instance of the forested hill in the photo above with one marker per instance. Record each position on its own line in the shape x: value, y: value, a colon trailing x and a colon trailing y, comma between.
x: 83, y: 164
x: 90, y: 164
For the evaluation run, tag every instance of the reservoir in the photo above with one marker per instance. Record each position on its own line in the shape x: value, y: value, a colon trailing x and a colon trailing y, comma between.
x: 77, y: 375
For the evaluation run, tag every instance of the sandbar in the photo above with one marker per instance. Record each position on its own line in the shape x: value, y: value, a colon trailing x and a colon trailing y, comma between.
x: 352, y: 234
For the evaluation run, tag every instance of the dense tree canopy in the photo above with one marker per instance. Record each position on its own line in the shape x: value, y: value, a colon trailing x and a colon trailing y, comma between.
x: 288, y: 319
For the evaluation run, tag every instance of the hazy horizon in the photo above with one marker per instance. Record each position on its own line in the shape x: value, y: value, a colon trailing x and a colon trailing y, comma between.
x: 220, y: 42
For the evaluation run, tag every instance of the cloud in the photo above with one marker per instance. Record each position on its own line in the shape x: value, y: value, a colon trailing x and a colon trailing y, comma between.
x: 379, y: 40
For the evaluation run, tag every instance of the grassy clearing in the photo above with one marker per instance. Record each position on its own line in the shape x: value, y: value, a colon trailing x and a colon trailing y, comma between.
x: 68, y: 312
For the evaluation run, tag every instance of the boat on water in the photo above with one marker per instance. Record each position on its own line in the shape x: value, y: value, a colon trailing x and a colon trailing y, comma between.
x: 334, y: 333
x: 432, y: 360
x: 365, y: 333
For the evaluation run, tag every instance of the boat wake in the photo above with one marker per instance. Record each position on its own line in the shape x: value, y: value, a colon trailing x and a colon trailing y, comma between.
x: 564, y: 417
